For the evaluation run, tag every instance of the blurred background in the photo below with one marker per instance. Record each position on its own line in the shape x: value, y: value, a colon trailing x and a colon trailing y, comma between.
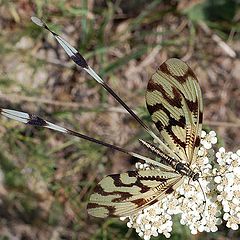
x: 46, y: 178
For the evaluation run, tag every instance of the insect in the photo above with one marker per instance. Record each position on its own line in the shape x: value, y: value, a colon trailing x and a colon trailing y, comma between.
x: 174, y: 101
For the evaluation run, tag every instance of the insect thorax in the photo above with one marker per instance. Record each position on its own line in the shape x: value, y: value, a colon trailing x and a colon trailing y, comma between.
x: 184, y: 169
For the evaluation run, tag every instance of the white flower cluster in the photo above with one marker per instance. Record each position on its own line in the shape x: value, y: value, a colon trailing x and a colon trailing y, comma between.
x: 200, y: 204
x: 228, y: 186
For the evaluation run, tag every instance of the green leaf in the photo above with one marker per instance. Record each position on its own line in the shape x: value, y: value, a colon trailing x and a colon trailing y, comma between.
x: 221, y: 10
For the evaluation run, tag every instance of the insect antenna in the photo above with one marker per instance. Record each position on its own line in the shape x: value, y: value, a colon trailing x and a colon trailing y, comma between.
x: 204, y: 196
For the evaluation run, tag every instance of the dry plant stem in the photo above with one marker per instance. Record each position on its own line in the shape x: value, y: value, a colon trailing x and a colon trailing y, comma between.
x: 224, y: 46
x: 85, y: 189
x: 15, y: 98
x: 222, y: 124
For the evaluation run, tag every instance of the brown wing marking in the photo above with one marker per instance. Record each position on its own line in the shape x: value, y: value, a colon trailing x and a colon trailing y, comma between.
x: 127, y: 193
x: 174, y: 102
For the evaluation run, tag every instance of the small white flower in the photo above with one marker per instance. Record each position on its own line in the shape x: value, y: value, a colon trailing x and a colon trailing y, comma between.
x: 218, y: 179
x: 221, y: 150
x: 236, y: 171
x: 208, y: 139
x: 212, y: 133
x: 226, y: 216
x: 221, y: 156
x: 129, y: 224
x: 147, y: 226
x: 236, y: 200
x: 206, y: 144
x: 201, y: 152
x: 234, y: 156
x: 230, y: 178
x: 234, y: 226
x: 203, y: 134
x: 238, y: 152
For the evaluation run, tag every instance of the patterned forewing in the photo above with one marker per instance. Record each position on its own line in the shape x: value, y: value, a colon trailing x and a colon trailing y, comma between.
x: 125, y: 194
x: 174, y: 102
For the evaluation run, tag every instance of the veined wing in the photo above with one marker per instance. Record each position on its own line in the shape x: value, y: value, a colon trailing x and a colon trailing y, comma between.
x: 174, y: 102
x: 121, y: 195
